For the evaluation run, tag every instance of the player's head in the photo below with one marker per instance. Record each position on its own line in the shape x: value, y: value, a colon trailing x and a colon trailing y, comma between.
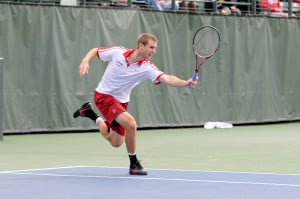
x: 147, y: 44
x: 144, y: 38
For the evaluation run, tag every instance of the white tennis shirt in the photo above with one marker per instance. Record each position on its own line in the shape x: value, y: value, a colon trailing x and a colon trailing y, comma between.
x: 120, y: 78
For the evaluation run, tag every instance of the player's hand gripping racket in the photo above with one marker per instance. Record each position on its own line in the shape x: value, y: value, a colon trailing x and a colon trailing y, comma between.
x: 206, y: 43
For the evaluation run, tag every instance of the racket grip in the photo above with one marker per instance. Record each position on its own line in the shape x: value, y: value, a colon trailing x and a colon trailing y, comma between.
x: 195, y: 75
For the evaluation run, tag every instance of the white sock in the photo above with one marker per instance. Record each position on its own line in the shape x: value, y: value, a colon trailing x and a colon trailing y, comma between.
x: 99, y: 119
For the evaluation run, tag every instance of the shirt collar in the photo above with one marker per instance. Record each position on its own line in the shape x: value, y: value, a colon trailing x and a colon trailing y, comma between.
x: 128, y: 53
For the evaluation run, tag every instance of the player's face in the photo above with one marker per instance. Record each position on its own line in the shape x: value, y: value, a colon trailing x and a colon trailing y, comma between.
x: 149, y: 49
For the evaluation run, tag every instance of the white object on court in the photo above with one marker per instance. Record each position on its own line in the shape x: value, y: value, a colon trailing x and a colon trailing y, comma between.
x: 220, y: 125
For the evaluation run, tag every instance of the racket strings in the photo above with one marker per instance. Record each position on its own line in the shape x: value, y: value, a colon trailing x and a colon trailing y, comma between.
x: 206, y: 42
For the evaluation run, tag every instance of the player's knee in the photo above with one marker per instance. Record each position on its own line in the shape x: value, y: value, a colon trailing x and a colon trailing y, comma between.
x: 131, y: 126
x: 116, y: 143
x: 116, y: 140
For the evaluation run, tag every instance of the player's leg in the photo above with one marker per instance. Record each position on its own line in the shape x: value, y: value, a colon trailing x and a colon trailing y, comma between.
x: 128, y: 122
x: 114, y: 138
x: 122, y: 127
x: 86, y: 110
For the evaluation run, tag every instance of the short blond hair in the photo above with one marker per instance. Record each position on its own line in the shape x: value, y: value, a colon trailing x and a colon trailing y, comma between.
x: 144, y: 38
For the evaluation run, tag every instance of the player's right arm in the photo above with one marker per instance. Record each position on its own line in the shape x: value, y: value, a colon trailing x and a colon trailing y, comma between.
x: 174, y: 81
x: 84, y: 65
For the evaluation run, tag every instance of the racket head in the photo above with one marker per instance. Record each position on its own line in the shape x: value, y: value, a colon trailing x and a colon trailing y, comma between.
x: 206, y: 42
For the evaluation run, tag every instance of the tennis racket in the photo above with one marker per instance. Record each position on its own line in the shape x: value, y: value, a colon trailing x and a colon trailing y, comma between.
x: 206, y: 43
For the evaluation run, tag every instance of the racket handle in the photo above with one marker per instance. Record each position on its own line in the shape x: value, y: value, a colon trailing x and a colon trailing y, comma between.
x: 195, y: 75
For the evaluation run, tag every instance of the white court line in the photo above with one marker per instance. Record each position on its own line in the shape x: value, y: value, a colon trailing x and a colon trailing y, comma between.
x: 43, y: 169
x: 202, y: 171
x: 159, y: 179
x: 229, y: 172
x: 149, y: 169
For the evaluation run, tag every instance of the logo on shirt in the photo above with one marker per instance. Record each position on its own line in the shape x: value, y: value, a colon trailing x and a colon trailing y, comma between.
x: 119, y: 63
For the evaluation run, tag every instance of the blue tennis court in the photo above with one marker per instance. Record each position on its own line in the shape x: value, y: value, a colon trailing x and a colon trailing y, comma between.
x: 84, y: 182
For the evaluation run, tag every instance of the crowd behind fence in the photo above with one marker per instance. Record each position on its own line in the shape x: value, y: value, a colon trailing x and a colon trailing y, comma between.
x: 246, y: 7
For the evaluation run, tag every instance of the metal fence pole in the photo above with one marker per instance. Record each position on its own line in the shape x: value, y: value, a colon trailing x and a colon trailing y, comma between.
x: 254, y: 6
x: 1, y: 97
x: 290, y: 7
x: 129, y: 2
x: 173, y: 5
x: 215, y: 6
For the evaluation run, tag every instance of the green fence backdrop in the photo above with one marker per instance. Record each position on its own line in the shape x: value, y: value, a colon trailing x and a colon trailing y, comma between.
x: 254, y: 77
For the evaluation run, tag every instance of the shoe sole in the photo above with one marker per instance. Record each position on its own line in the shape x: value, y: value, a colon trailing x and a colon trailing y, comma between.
x: 140, y: 173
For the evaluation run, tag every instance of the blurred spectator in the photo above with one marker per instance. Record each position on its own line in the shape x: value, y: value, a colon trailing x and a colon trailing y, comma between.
x: 296, y: 1
x: 124, y: 3
x: 228, y: 9
x: 119, y: 3
x: 162, y: 5
x: 224, y: 9
x: 275, y: 8
x: 188, y: 7
x: 235, y: 11
x: 167, y: 4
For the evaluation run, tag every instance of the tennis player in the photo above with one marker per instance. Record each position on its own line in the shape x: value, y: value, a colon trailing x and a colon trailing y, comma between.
x: 126, y: 68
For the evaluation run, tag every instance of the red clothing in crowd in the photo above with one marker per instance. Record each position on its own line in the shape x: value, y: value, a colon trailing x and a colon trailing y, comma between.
x: 273, y: 5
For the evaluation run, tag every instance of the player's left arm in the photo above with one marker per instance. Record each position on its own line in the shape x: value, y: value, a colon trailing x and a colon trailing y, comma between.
x: 84, y: 65
x: 174, y: 81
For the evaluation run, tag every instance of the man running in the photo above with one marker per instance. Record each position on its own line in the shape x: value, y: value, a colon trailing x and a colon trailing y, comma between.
x: 126, y: 69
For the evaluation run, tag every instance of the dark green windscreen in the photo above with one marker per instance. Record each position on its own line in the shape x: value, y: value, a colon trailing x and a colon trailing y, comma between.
x: 254, y: 77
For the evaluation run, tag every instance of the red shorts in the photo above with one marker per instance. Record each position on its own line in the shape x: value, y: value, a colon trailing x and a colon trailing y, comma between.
x: 110, y: 108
